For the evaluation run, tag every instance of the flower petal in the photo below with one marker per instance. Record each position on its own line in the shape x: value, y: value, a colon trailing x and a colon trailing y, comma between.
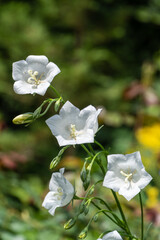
x: 144, y: 179
x: 129, y: 191
x: 18, y: 69
x: 114, y: 160
x: 69, y: 109
x: 50, y: 204
x: 41, y: 88
x: 37, y: 59
x: 22, y: 87
x: 112, y: 181
x: 111, y: 236
x: 89, y: 115
x: 134, y: 158
x: 52, y: 70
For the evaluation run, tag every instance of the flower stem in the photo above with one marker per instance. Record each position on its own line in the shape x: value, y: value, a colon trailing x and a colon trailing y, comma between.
x: 57, y: 93
x: 104, y: 212
x: 86, y: 149
x: 142, y: 225
x: 121, y: 211
x: 100, y: 145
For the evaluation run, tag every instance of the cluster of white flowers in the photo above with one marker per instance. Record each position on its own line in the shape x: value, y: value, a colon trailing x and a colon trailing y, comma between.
x: 126, y: 173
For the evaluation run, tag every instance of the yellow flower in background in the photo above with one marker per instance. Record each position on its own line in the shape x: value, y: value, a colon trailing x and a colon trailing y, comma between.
x: 152, y: 193
x: 149, y: 137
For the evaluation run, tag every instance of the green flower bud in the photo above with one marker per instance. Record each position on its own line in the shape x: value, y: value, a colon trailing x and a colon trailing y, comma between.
x: 23, y: 118
x: 83, y: 234
x: 70, y: 223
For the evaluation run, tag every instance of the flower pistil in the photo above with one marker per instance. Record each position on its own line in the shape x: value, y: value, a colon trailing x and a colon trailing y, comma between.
x: 33, y: 79
x: 73, y: 132
x: 128, y: 176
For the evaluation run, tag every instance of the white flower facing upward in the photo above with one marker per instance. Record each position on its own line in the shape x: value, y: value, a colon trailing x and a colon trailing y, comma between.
x: 60, y: 194
x: 73, y: 126
x: 126, y: 174
x: 33, y: 75
x: 111, y: 236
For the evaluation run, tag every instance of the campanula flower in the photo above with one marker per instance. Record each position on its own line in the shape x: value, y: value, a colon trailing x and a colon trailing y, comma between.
x: 73, y: 126
x: 126, y: 174
x: 33, y: 75
x: 60, y: 194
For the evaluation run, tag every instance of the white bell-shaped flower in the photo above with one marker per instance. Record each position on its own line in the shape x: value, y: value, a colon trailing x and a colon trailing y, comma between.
x: 111, y: 236
x: 73, y: 126
x: 33, y: 75
x: 60, y: 194
x: 126, y: 174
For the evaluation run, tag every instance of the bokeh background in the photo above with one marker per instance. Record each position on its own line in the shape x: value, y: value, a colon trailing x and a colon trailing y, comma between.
x: 109, y: 55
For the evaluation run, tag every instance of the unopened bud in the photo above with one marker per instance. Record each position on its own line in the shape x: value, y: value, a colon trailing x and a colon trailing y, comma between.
x: 23, y: 118
x: 70, y: 223
x: 83, y: 234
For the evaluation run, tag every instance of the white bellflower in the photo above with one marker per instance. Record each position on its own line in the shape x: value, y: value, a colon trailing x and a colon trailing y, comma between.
x: 60, y: 194
x: 126, y: 174
x: 73, y: 126
x: 33, y: 75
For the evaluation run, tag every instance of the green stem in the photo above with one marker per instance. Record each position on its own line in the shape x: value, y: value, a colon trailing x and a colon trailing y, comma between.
x: 86, y: 149
x: 100, y: 145
x: 142, y: 225
x: 57, y: 93
x: 46, y: 110
x: 104, y: 213
x: 121, y: 211
x: 91, y: 149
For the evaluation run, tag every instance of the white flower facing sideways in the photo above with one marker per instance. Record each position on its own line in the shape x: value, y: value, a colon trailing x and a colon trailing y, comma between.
x: 60, y: 194
x: 33, y: 75
x: 73, y: 126
x: 111, y: 236
x: 126, y: 174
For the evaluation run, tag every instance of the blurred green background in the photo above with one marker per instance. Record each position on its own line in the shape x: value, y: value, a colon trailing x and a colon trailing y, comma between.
x: 109, y: 55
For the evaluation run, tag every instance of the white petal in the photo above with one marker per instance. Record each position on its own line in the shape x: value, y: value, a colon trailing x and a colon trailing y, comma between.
x: 135, y: 158
x: 55, y: 123
x: 52, y: 210
x: 86, y: 137
x: 112, y: 236
x: 129, y: 191
x: 69, y: 109
x: 65, y: 142
x: 50, y: 204
x: 21, y: 87
x: 37, y: 59
x: 89, y: 116
x: 69, y: 194
x: 112, y: 181
x: 18, y: 69
x: 52, y: 70
x: 61, y: 170
x: 114, y: 160
x: 41, y: 88
x: 144, y: 179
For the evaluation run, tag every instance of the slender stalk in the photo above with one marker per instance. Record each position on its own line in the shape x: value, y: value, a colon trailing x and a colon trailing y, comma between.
x: 86, y: 149
x: 104, y: 213
x: 142, y: 224
x: 91, y: 149
x: 100, y: 145
x: 42, y: 114
x: 57, y: 93
x: 121, y: 211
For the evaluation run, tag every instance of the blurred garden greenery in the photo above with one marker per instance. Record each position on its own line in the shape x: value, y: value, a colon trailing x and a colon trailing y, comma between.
x: 109, y: 55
